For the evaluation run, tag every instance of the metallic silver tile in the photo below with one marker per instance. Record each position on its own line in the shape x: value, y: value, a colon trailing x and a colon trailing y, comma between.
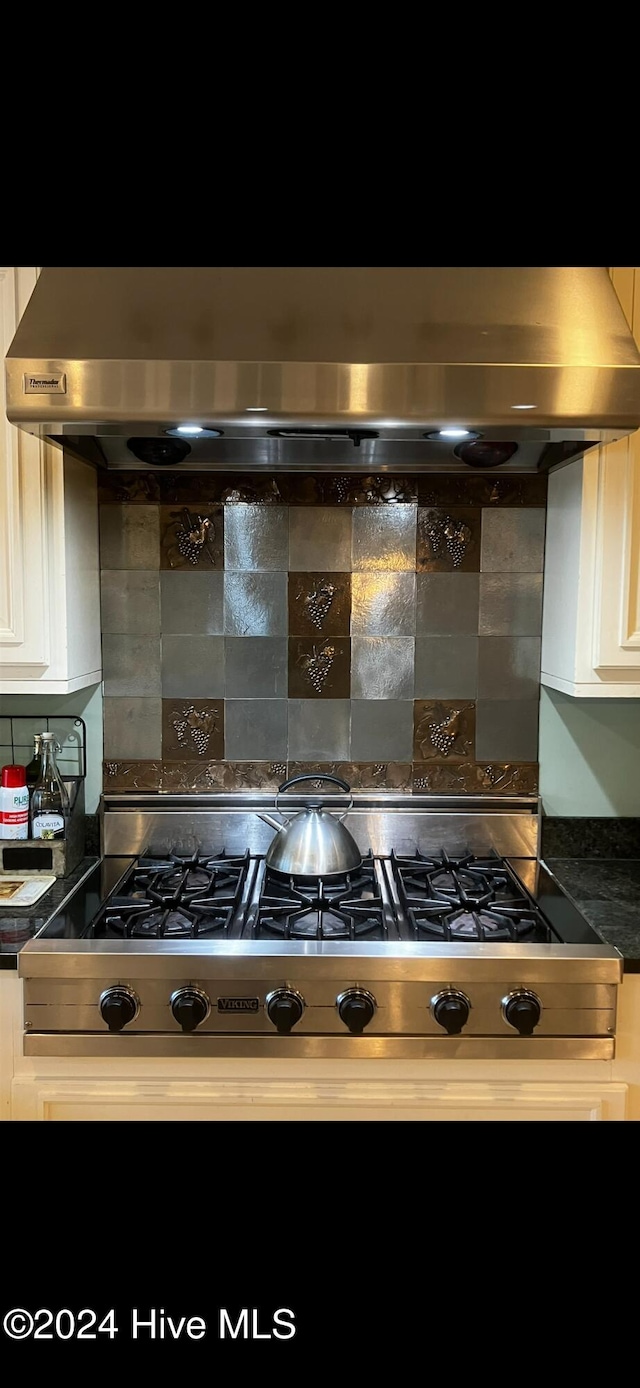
x: 255, y: 604
x: 130, y: 602
x: 446, y: 667
x: 507, y: 731
x: 319, y: 539
x: 383, y: 604
x: 256, y: 537
x: 447, y: 604
x: 255, y: 730
x: 192, y: 604
x: 129, y: 537
x: 381, y: 729
x: 510, y: 604
x: 509, y: 668
x: 382, y: 667
x: 256, y: 667
x: 192, y: 667
x: 384, y: 537
x: 132, y: 729
x: 513, y: 540
x: 131, y: 665
x: 319, y: 728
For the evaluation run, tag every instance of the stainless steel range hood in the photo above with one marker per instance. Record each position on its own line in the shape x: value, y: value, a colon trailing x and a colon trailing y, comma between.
x: 324, y: 367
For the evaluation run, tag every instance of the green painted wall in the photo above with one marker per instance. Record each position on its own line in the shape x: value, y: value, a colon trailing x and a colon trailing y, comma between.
x: 87, y: 704
x: 589, y: 755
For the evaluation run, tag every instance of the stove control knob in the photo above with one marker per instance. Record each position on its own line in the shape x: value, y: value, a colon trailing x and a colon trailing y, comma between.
x: 119, y: 1006
x: 451, y: 1010
x: 190, y: 1007
x: 356, y: 1008
x: 522, y: 1011
x: 284, y: 1009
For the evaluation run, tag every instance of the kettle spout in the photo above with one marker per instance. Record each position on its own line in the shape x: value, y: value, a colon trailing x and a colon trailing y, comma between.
x: 268, y: 819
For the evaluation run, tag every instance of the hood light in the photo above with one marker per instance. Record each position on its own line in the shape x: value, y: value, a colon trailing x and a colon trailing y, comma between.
x: 193, y: 431
x: 456, y: 432
x: 256, y: 409
x: 524, y: 407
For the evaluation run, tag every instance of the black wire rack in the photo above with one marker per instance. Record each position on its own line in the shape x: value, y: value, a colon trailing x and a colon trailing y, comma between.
x: 16, y: 741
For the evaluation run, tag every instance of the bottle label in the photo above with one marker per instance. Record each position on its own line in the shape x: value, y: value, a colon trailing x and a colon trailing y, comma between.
x: 48, y: 826
x: 14, y: 812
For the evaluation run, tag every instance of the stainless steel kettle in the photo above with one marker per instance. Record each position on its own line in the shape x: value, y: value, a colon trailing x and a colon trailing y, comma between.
x: 312, y: 843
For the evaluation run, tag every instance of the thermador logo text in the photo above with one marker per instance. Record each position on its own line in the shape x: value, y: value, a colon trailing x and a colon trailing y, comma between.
x: 54, y: 381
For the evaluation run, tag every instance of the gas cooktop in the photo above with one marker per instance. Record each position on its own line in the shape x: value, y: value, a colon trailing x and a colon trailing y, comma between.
x: 450, y: 939
x: 390, y: 899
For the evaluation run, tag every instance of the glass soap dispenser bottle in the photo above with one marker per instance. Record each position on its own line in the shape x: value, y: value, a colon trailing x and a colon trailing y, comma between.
x: 49, y: 801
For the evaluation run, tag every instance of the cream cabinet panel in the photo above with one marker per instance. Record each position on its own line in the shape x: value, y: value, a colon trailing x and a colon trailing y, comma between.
x: 60, y: 1100
x: 591, y: 615
x: 49, y: 567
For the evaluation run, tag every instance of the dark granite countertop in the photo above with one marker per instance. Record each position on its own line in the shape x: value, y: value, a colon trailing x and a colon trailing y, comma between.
x: 16, y: 926
x: 607, y: 891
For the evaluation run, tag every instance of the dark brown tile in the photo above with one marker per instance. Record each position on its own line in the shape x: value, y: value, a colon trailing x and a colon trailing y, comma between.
x: 126, y: 487
x: 254, y: 489
x: 191, y: 537
x: 353, y: 490
x: 254, y: 775
x: 319, y: 669
x: 443, y: 730
x: 448, y: 539
x: 465, y: 489
x: 192, y: 728
x: 512, y: 779
x: 474, y: 778
x: 444, y: 778
x: 358, y: 775
x: 390, y: 775
x: 189, y: 777
x: 185, y: 777
x: 131, y: 775
x: 319, y: 604
x: 319, y: 769
x: 190, y: 488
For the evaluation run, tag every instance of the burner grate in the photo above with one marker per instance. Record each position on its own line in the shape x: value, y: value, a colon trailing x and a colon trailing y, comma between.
x: 345, y: 908
x: 465, y: 899
x: 437, y: 922
x: 176, y: 898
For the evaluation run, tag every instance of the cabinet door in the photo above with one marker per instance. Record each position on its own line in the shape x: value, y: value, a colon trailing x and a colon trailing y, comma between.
x: 49, y: 568
x: 67, y: 1100
x: 24, y: 625
x: 591, y: 615
x: 616, y: 647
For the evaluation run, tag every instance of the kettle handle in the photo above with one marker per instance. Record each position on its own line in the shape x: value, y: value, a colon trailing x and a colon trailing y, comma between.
x: 317, y: 776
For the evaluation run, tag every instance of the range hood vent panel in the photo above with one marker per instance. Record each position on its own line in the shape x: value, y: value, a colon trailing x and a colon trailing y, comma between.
x: 371, y: 356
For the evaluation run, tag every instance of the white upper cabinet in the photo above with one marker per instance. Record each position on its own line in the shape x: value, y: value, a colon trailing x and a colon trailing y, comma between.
x: 49, y: 570
x: 591, y: 613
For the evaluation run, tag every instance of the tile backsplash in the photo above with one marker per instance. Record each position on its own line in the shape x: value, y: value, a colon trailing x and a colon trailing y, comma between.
x: 387, y: 629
